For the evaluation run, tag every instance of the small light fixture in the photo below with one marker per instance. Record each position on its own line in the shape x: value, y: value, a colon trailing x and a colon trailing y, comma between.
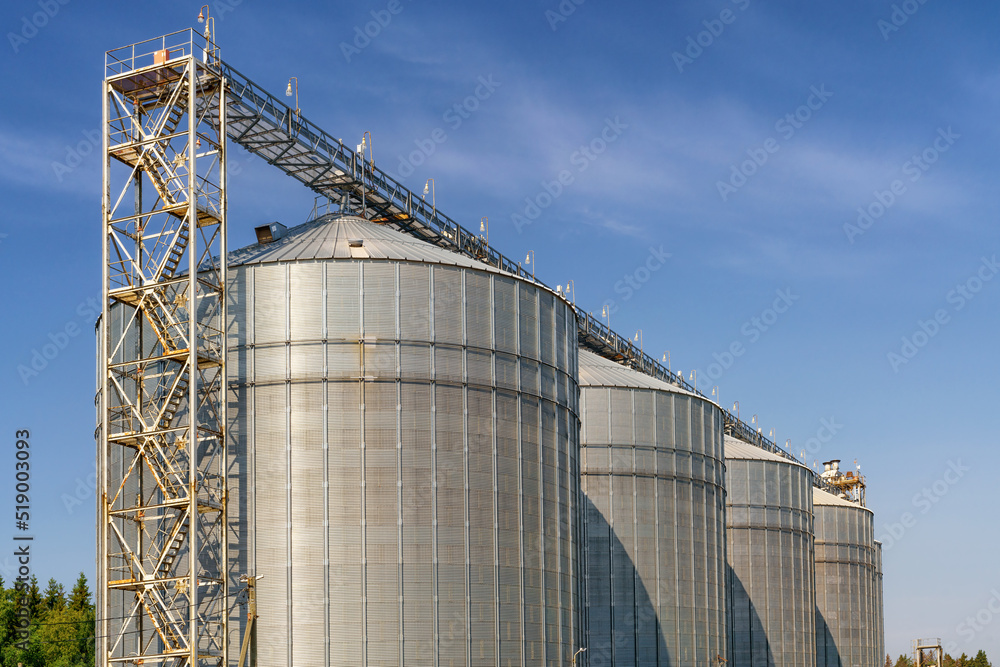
x: 431, y: 187
x: 288, y: 92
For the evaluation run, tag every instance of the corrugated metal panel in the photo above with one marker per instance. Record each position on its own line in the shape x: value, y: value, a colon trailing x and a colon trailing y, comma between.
x: 271, y: 519
x: 345, y: 547
x: 379, y: 282
x: 528, y: 320
x: 478, y: 310
x: 305, y: 282
x: 307, y: 361
x: 343, y: 301
x: 417, y: 477
x: 308, y: 533
x: 415, y: 302
x: 270, y: 304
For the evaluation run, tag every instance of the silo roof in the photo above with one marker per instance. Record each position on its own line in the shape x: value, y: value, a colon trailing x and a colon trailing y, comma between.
x: 336, y: 237
x: 821, y: 497
x: 738, y: 449
x: 596, y: 371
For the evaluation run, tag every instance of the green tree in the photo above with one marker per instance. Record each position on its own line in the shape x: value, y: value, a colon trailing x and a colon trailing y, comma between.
x: 903, y: 661
x: 54, y: 596
x: 79, y: 597
x: 980, y: 660
x: 33, y: 597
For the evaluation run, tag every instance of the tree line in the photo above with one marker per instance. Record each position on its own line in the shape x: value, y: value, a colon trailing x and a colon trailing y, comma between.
x: 946, y: 661
x: 60, y: 627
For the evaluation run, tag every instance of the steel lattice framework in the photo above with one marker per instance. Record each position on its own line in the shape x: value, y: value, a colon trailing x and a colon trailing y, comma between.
x: 162, y: 592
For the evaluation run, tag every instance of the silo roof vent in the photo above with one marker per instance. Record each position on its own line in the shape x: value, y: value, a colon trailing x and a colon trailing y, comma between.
x: 270, y: 233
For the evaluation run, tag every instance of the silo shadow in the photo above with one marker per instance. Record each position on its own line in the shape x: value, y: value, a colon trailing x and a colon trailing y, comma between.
x: 827, y: 654
x: 748, y: 642
x: 623, y: 627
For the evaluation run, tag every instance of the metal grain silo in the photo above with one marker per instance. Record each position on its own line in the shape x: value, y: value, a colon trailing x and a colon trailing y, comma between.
x: 406, y: 479
x: 771, y: 601
x: 654, y: 520
x: 847, y: 604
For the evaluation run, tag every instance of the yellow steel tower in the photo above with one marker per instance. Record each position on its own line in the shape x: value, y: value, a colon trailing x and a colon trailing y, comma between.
x: 162, y: 550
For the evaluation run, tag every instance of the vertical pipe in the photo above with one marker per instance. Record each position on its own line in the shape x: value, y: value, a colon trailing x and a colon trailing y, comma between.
x: 103, y: 607
x: 436, y: 620
x: 327, y: 616
x: 224, y: 371
x: 192, y: 363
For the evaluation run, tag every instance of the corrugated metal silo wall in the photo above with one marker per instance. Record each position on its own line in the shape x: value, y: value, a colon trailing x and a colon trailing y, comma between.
x: 847, y: 633
x: 412, y: 434
x: 771, y: 601
x: 654, y: 523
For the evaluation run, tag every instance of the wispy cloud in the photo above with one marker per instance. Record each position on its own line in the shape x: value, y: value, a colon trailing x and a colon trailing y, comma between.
x: 27, y: 161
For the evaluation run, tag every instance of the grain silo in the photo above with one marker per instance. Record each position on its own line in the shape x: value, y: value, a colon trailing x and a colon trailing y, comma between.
x: 654, y: 520
x: 771, y: 601
x: 406, y: 481
x: 847, y: 601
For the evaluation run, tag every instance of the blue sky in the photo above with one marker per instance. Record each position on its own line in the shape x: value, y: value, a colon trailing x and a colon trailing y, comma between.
x: 743, y: 158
